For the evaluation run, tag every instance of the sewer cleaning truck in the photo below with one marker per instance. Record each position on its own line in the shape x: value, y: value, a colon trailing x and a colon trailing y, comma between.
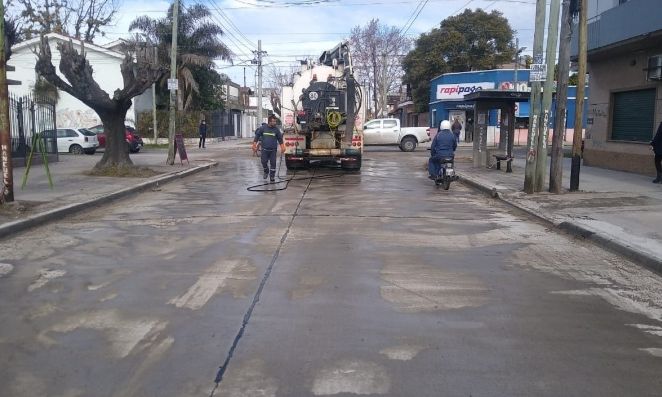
x: 322, y: 113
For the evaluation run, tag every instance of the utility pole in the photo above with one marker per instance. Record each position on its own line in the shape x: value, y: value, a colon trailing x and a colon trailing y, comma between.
x: 579, y: 101
x: 556, y: 168
x: 516, y: 61
x: 173, y: 90
x: 259, y: 82
x: 156, y: 132
x: 384, y: 93
x: 7, y: 188
x: 550, y: 57
x: 534, y: 116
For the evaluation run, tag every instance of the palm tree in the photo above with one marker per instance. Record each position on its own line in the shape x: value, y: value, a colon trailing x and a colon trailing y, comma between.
x: 198, y: 45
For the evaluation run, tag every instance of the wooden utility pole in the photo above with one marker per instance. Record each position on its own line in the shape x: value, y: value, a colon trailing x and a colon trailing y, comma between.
x: 156, y: 132
x: 556, y: 168
x: 7, y: 188
x: 579, y: 101
x: 550, y: 57
x: 173, y: 90
x: 534, y: 116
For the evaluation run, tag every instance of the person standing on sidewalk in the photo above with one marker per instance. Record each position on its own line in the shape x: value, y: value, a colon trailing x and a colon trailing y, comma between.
x: 457, y: 129
x: 271, y: 138
x: 202, y: 130
x: 656, y: 144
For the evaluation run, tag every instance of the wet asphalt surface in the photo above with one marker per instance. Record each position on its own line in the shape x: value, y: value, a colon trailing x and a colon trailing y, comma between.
x: 372, y: 283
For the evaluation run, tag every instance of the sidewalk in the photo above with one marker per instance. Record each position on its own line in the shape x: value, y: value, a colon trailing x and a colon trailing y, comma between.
x: 618, y: 210
x: 74, y: 191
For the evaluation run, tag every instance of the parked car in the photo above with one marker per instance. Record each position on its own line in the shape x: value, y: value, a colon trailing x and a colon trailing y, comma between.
x: 389, y: 132
x: 74, y: 140
x: 133, y: 140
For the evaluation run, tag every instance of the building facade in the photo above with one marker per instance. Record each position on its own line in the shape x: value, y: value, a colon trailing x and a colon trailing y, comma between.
x: 625, y: 69
x: 447, y: 102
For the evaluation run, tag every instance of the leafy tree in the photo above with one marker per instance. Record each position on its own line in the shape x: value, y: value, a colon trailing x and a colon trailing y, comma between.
x: 574, y: 79
x: 473, y: 40
x: 376, y: 50
x: 82, y: 19
x: 138, y: 76
x: 198, y: 46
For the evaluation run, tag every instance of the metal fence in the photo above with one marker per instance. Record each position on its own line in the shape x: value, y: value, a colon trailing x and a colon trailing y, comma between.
x: 30, y: 115
x: 225, y: 123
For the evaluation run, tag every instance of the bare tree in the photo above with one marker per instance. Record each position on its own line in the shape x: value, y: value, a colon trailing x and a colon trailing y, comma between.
x: 138, y: 77
x: 277, y: 79
x: 376, y: 54
x: 82, y: 19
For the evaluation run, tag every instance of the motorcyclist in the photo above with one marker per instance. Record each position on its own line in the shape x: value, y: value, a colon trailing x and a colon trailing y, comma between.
x: 443, y: 146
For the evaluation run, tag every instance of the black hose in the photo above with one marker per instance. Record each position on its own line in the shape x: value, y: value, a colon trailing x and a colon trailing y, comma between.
x: 286, y: 181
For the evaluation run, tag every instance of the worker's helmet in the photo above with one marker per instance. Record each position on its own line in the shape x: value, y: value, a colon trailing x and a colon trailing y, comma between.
x: 445, y: 125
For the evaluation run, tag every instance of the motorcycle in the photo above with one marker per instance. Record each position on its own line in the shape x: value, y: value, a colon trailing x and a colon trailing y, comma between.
x: 446, y: 173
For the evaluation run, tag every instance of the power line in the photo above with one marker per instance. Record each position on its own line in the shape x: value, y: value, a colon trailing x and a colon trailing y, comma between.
x: 423, y: 2
x: 231, y: 24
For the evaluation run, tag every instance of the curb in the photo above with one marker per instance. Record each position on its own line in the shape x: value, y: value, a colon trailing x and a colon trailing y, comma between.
x: 651, y: 262
x: 11, y: 228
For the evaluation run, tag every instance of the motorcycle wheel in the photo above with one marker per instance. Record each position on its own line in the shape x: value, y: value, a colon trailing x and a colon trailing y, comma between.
x: 447, y: 182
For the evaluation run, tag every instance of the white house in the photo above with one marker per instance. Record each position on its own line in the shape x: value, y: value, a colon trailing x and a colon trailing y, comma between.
x: 70, y: 112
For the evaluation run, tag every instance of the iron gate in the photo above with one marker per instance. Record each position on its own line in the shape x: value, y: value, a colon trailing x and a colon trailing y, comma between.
x: 30, y: 115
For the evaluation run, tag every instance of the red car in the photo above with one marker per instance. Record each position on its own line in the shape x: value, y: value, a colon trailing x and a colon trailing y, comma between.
x: 133, y: 140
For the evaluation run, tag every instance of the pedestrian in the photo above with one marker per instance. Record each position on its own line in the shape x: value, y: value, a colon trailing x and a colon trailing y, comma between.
x: 656, y: 146
x: 457, y: 129
x: 202, y: 130
x: 271, y: 138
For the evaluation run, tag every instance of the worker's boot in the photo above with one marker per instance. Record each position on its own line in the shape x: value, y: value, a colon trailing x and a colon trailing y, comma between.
x: 659, y: 178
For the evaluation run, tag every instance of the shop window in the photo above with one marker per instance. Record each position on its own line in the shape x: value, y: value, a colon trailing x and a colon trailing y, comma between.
x: 633, y: 115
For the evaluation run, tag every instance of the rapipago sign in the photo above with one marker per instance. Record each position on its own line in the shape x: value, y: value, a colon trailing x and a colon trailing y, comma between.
x: 456, y: 92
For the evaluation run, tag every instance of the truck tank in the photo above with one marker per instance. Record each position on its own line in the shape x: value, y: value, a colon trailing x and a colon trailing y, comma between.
x: 323, y: 113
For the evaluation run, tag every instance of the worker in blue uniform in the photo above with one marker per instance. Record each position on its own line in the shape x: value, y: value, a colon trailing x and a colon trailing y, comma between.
x: 271, y: 137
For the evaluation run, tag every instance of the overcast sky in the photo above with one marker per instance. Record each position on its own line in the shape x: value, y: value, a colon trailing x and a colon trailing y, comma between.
x: 290, y: 31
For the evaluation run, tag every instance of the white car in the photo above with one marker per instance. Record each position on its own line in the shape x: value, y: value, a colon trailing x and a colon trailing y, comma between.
x: 74, y: 140
x: 389, y: 132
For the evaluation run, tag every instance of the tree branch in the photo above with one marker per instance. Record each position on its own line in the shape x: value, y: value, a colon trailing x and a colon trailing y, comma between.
x: 138, y: 77
x: 78, y: 72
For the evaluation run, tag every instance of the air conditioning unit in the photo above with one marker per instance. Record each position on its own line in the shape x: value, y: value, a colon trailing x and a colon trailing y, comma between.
x: 654, y: 69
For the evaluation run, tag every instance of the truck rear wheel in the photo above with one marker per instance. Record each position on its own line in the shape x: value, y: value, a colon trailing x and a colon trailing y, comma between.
x: 294, y: 165
x: 408, y: 144
x: 351, y: 165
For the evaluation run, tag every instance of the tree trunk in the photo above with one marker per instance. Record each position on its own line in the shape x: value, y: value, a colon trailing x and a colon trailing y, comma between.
x: 117, y: 150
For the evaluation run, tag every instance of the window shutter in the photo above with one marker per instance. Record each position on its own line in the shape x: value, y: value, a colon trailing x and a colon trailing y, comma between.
x: 633, y: 116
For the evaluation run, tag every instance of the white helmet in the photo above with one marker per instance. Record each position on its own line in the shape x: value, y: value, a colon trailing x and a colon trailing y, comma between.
x: 445, y: 125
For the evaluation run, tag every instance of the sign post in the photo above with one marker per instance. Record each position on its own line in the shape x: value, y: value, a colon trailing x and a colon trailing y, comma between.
x: 538, y: 72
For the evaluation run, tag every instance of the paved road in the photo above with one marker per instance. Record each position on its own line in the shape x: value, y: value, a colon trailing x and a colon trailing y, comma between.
x: 367, y: 284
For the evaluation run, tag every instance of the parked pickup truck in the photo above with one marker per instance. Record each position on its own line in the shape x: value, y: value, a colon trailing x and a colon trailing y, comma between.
x: 388, y: 132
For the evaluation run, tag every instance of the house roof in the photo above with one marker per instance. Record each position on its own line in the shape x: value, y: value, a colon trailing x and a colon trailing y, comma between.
x: 63, y: 38
x: 115, y: 43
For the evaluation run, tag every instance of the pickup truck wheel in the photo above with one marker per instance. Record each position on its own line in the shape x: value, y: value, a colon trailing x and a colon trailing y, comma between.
x: 408, y: 144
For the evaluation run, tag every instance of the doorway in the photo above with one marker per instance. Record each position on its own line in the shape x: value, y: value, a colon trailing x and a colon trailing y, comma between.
x: 461, y: 116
